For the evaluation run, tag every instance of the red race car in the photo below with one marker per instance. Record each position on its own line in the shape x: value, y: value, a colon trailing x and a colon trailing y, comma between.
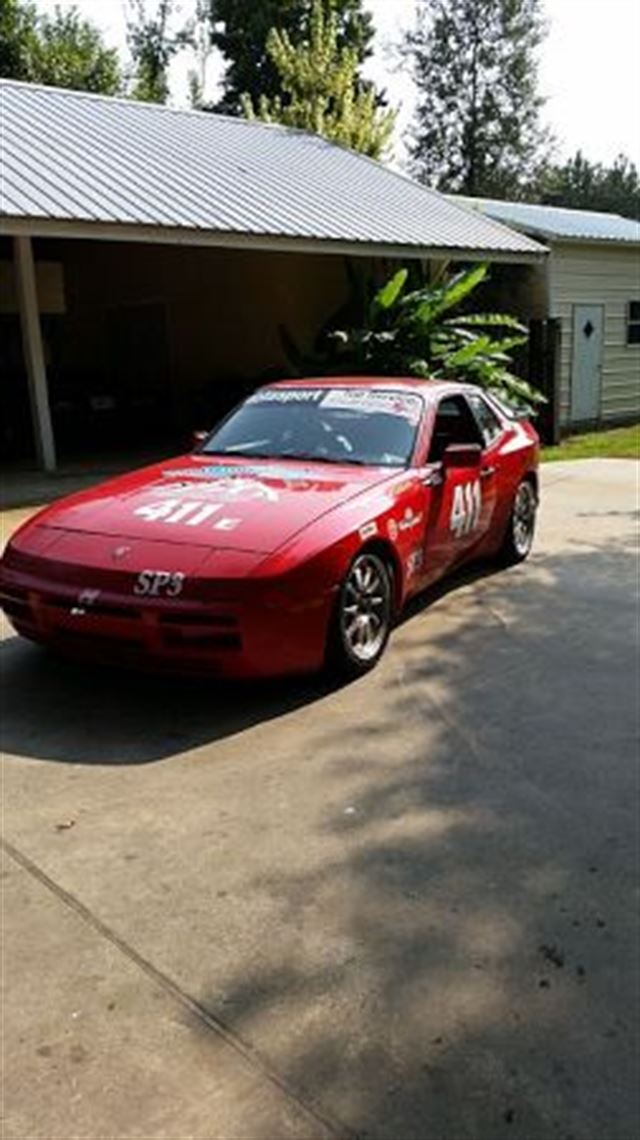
x: 290, y: 538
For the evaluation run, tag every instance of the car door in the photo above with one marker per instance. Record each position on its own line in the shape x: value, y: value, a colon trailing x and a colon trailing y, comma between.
x: 462, y: 499
x: 493, y: 435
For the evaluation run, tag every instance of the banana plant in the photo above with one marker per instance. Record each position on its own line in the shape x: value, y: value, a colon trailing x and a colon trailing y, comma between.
x: 413, y: 332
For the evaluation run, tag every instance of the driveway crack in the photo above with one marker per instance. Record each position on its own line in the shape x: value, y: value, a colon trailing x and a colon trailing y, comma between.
x: 250, y: 1054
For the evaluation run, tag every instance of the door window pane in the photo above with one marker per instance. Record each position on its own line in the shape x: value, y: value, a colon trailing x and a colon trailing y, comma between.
x: 454, y: 423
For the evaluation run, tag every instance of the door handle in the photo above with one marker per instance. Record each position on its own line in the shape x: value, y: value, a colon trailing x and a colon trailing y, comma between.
x: 486, y: 472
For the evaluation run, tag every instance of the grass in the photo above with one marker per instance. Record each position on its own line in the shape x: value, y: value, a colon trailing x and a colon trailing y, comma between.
x: 619, y: 443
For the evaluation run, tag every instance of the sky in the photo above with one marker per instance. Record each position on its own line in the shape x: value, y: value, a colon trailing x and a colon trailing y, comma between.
x: 589, y: 69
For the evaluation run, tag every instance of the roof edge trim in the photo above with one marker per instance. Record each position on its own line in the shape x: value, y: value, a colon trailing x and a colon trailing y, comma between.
x: 164, y: 235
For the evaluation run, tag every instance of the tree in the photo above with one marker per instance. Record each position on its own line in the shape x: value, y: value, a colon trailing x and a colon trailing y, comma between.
x: 202, y: 45
x: 62, y: 50
x: 584, y: 185
x: 320, y: 90
x: 477, y: 128
x: 153, y: 44
x: 240, y: 29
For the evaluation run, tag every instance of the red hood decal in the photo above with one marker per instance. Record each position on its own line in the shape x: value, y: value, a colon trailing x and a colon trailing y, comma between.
x: 237, y: 504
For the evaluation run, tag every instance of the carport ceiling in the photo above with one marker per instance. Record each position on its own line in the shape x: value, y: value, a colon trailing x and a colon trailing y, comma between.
x: 80, y: 165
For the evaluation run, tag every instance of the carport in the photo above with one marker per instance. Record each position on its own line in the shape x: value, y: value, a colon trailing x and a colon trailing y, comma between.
x: 155, y: 262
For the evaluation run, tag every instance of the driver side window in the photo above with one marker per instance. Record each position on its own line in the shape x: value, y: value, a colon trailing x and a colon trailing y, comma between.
x: 454, y: 423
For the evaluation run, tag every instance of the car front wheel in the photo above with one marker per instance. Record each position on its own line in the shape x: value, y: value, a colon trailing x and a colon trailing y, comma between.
x: 363, y: 616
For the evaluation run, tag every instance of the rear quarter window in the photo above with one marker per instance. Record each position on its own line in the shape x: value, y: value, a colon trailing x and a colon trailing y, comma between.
x: 487, y: 420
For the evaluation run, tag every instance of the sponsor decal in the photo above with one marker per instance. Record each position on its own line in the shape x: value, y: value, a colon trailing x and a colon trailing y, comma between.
x: 155, y: 583
x: 466, y: 506
x: 229, y: 471
x: 414, y: 562
x: 409, y: 520
x: 86, y: 599
x: 368, y: 530
x: 191, y: 513
x: 237, y: 489
x: 402, y: 488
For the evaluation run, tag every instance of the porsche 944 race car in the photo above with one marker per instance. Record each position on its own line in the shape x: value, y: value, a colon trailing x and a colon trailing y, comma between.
x: 289, y: 539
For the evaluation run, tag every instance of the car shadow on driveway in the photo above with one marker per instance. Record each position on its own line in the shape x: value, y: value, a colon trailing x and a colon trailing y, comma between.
x: 60, y: 710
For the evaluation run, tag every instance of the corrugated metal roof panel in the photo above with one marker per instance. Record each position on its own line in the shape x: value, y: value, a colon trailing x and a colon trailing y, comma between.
x: 551, y: 222
x: 67, y: 155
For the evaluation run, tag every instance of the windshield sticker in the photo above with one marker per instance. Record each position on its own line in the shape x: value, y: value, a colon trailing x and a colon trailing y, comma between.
x: 286, y: 396
x: 363, y: 400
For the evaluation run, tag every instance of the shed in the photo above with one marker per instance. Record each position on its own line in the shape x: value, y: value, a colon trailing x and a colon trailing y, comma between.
x: 590, y: 285
x: 151, y: 258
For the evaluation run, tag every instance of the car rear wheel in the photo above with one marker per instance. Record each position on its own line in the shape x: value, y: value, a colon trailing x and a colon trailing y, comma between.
x: 522, y: 523
x: 363, y: 616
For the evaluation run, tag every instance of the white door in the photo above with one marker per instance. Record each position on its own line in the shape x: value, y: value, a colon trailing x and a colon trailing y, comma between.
x: 586, y: 368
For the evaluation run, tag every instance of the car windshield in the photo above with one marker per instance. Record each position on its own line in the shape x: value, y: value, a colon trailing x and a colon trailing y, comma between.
x: 368, y: 426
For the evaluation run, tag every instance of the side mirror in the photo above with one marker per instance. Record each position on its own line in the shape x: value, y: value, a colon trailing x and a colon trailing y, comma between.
x: 461, y: 455
x: 197, y: 439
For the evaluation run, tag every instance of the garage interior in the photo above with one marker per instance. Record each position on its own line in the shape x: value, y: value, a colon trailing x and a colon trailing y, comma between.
x: 143, y: 344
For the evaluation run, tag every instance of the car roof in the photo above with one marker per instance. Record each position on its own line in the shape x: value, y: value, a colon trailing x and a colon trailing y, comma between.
x: 430, y: 388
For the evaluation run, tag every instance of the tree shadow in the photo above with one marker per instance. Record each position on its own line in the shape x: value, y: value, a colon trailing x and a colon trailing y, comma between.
x: 460, y: 961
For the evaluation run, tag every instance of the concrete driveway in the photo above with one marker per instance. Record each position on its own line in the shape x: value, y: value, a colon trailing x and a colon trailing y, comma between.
x: 404, y: 909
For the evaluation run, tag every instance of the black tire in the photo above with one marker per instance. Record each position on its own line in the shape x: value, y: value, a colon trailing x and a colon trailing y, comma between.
x: 518, y: 538
x: 362, y: 617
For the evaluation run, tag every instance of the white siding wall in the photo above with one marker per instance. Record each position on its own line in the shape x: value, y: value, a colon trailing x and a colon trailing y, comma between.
x: 601, y: 275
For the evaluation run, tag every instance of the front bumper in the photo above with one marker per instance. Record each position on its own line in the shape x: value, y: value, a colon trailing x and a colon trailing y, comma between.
x: 244, y: 628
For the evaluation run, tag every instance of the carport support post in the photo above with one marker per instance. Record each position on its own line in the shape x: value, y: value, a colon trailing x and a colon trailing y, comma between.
x: 33, y: 352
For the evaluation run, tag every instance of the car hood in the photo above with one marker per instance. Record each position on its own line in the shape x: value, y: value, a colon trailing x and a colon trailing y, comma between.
x: 223, y: 504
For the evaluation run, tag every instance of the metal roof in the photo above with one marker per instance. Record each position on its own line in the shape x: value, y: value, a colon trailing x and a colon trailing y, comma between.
x: 88, y: 165
x: 555, y: 222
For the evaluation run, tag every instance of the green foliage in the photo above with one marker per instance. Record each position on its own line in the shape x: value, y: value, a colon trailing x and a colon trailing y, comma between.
x: 402, y: 331
x: 153, y: 44
x: 62, y: 50
x: 240, y: 29
x: 584, y: 185
x: 320, y: 88
x: 477, y: 128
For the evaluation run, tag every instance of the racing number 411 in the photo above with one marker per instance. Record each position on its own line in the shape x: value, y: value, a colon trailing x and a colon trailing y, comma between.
x: 465, y: 508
